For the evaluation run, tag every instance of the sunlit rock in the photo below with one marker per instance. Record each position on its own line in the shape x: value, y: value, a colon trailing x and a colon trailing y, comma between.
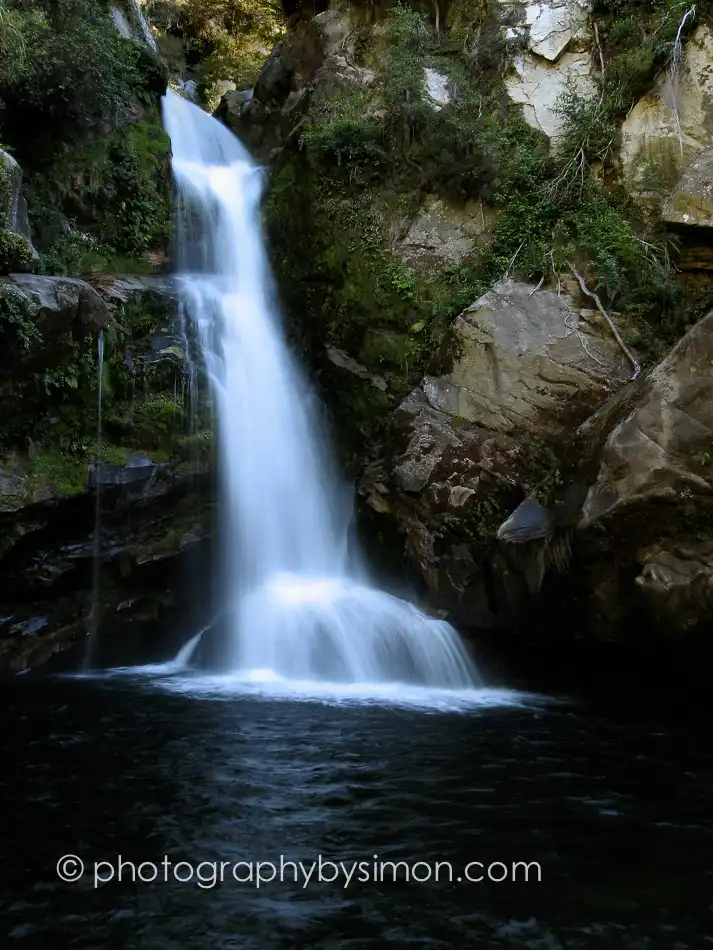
x: 520, y: 354
x: 537, y: 84
x: 436, y: 88
x: 553, y: 26
x: 691, y: 202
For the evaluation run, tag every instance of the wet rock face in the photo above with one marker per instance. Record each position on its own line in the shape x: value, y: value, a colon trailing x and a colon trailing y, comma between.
x: 153, y: 513
x: 441, y: 483
x: 151, y: 533
x: 16, y: 250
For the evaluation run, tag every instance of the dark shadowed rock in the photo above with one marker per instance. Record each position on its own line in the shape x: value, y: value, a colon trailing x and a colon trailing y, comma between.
x: 64, y: 300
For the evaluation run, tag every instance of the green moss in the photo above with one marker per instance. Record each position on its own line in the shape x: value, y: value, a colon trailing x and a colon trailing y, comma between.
x: 49, y: 467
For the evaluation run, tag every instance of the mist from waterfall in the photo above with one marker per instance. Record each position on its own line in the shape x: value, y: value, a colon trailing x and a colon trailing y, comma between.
x: 297, y: 609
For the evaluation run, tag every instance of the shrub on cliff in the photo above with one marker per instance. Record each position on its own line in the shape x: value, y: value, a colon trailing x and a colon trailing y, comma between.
x: 70, y: 71
x: 78, y: 104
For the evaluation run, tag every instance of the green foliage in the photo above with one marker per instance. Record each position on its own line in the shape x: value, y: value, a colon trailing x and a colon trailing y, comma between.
x: 15, y: 252
x: 346, y: 134
x: 78, y: 367
x: 73, y: 93
x: 116, y: 190
x: 371, y: 153
x: 637, y: 40
x: 587, y: 136
x: 403, y: 86
x: 77, y: 253
x: 17, y: 320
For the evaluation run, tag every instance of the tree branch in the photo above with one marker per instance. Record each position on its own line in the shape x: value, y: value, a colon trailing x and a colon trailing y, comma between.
x: 617, y: 336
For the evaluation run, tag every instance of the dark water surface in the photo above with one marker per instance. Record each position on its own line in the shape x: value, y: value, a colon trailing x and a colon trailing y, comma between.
x: 617, y: 813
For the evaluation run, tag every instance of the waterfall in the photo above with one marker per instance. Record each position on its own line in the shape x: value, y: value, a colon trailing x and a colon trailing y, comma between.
x: 295, y: 608
x: 96, y: 558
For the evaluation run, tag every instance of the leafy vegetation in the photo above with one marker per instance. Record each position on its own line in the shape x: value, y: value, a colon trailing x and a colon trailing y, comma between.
x: 79, y: 107
x: 636, y: 40
x: 66, y: 69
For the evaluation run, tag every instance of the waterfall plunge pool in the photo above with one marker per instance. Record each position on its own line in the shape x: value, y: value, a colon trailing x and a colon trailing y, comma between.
x: 616, y: 813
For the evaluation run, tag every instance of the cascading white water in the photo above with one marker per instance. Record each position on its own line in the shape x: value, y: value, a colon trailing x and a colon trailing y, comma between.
x: 295, y: 610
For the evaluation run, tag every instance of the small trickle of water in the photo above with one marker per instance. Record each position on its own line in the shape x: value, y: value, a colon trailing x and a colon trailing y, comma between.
x: 96, y: 558
x: 675, y: 63
x: 297, y: 608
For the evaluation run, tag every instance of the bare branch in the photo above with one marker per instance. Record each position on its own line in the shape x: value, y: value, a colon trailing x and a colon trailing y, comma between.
x: 610, y: 322
x: 512, y: 261
x: 542, y: 280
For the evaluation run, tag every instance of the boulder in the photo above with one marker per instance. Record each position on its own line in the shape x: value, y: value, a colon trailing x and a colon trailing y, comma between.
x: 554, y: 26
x: 662, y: 452
x: 527, y: 361
x: 316, y: 53
x: 119, y: 290
x: 62, y: 300
x: 457, y: 469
